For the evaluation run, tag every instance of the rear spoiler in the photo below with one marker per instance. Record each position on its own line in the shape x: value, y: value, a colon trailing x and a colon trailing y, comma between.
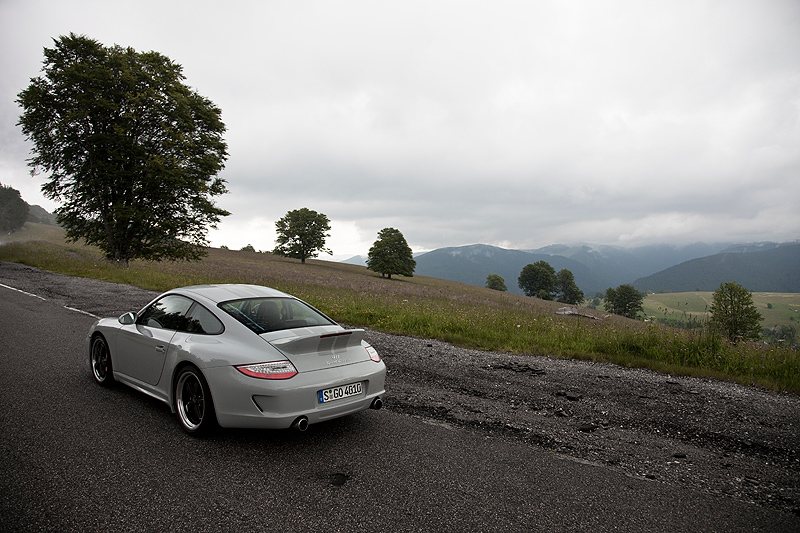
x: 324, y: 343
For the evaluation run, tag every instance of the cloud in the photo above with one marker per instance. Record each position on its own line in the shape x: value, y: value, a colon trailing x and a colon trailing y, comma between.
x: 458, y: 122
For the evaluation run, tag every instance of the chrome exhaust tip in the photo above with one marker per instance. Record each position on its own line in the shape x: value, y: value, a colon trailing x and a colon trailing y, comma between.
x: 301, y: 423
x: 377, y: 403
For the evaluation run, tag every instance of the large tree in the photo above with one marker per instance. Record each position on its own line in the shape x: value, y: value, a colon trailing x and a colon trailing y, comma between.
x: 538, y: 279
x: 13, y: 209
x: 625, y: 300
x: 391, y: 254
x: 567, y: 290
x: 301, y: 234
x: 734, y: 313
x: 131, y: 151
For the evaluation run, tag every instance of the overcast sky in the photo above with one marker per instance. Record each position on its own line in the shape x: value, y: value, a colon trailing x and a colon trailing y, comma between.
x: 516, y: 124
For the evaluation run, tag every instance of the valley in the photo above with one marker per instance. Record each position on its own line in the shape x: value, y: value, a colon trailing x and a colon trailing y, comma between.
x: 778, y: 309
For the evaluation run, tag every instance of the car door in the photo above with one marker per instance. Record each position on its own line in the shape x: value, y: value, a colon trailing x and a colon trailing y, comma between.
x: 142, y: 347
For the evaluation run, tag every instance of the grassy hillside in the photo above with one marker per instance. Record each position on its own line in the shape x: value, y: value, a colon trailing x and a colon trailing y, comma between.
x: 426, y: 307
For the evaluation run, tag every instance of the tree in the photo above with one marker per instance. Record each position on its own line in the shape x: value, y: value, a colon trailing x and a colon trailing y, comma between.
x: 391, y: 254
x: 733, y: 312
x: 783, y: 333
x: 566, y: 290
x: 13, y: 209
x: 538, y: 280
x: 494, y: 281
x: 131, y: 150
x: 624, y: 300
x: 302, y: 234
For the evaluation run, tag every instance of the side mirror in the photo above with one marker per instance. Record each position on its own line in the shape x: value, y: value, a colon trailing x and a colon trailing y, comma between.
x: 127, y: 319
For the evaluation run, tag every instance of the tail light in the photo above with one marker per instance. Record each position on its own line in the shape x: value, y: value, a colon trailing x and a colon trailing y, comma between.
x: 271, y: 370
x: 373, y: 353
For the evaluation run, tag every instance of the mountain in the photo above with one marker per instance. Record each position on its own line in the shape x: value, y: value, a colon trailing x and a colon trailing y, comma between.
x: 615, y: 265
x: 760, y: 267
x: 771, y: 268
x: 596, y: 268
x: 37, y: 213
x: 355, y: 260
x: 472, y: 264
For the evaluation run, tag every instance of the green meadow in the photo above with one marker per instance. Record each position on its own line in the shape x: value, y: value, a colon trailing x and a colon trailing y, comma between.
x: 777, y: 309
x: 465, y: 315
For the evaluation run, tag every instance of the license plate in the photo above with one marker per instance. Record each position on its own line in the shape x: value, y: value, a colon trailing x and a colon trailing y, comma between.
x: 337, y: 393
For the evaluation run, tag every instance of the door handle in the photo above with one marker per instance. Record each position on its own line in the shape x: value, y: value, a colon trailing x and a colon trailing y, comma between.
x: 161, y: 349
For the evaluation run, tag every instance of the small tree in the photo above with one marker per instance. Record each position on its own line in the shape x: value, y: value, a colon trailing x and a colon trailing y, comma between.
x: 495, y: 282
x: 302, y: 234
x: 783, y: 333
x: 625, y: 300
x: 733, y: 312
x: 566, y: 289
x: 132, y: 152
x: 391, y: 254
x: 538, y: 280
x: 13, y: 209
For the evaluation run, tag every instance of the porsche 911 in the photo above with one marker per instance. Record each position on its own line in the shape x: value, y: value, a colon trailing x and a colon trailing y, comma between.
x: 238, y: 356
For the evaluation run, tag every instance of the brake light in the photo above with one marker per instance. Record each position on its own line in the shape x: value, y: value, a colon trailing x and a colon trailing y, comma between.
x: 373, y: 353
x: 272, y: 370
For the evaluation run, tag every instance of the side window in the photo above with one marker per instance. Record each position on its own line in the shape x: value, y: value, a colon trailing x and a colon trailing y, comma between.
x: 201, y: 320
x: 167, y: 313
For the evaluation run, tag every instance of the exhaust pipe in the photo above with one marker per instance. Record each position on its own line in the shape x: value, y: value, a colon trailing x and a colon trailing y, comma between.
x: 301, y: 423
x: 377, y: 403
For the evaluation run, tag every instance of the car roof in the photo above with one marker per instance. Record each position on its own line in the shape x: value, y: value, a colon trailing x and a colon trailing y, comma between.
x: 232, y: 291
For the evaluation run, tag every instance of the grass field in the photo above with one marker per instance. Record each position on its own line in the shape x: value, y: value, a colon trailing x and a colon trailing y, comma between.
x: 777, y: 309
x: 465, y: 315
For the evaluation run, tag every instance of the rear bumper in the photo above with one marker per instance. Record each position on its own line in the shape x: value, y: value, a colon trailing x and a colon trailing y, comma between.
x: 245, y: 402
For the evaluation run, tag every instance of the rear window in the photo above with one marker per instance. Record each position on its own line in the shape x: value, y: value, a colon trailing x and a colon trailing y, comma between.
x: 263, y: 315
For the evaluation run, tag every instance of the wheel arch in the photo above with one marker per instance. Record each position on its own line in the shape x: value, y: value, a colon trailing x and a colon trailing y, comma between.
x: 95, y: 334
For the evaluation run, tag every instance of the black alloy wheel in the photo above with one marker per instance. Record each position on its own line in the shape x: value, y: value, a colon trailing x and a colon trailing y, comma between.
x: 101, y: 361
x: 193, y: 402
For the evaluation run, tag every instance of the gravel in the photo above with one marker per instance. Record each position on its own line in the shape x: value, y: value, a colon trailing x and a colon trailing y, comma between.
x: 723, y: 438
x: 719, y: 437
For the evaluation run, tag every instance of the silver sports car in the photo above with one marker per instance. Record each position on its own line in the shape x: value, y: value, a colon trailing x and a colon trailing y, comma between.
x: 241, y: 356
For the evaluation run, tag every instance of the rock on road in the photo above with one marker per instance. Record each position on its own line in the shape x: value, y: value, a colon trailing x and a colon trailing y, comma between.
x: 78, y: 457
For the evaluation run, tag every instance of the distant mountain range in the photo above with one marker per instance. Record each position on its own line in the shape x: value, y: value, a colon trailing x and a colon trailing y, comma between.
x: 472, y: 264
x: 760, y: 267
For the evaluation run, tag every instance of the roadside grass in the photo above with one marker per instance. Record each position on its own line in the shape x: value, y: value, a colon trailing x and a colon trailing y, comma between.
x: 465, y: 315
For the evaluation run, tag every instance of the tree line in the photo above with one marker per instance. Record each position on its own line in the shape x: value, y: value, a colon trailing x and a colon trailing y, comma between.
x: 732, y: 314
x: 302, y: 234
x: 541, y: 280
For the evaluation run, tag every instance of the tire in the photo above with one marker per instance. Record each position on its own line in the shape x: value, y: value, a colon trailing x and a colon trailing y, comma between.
x: 193, y: 403
x: 100, y: 361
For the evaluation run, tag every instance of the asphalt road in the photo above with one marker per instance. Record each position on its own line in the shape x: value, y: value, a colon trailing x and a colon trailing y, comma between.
x: 78, y: 457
